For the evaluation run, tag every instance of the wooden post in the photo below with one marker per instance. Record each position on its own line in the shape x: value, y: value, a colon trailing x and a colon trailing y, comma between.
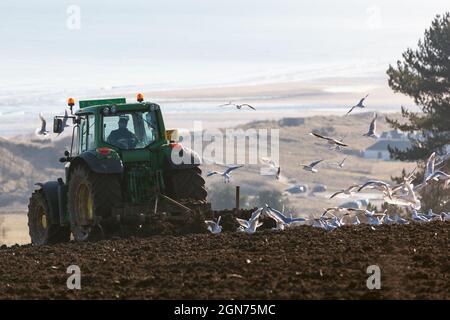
x: 237, y: 198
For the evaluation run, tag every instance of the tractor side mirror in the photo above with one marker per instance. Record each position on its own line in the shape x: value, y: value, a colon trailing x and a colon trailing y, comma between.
x: 57, y: 125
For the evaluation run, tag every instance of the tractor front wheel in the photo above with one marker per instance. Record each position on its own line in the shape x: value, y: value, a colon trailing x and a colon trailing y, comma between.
x: 42, y: 229
x: 91, y: 199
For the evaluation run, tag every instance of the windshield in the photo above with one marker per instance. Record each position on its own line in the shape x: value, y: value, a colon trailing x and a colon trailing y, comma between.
x: 130, y: 130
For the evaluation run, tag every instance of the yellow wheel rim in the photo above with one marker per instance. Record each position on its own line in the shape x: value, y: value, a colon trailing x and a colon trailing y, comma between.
x: 85, y: 204
x: 42, y: 219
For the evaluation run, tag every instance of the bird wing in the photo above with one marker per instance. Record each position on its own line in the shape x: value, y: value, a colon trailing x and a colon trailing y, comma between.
x: 210, y: 223
x: 247, y: 105
x: 243, y: 223
x: 226, y: 104
x: 430, y: 165
x: 232, y: 168
x: 351, y: 109
x: 319, y: 136
x: 209, y: 174
x: 66, y: 117
x: 256, y: 214
x: 373, y: 125
x: 279, y: 215
x: 315, y: 163
x: 335, y: 194
x: 437, y: 174
x: 373, y: 184
x: 339, y: 143
x: 44, y: 123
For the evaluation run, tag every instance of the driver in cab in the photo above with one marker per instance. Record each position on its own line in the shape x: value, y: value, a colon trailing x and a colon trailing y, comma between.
x: 122, y: 137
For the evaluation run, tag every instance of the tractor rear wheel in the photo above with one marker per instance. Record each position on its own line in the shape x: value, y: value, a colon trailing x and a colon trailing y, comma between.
x: 42, y: 229
x: 186, y: 184
x: 91, y: 197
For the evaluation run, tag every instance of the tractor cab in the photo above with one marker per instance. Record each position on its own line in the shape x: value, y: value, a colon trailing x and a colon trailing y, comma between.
x: 120, y: 171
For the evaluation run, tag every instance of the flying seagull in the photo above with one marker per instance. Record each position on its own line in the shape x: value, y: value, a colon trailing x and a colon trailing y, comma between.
x: 226, y: 174
x: 349, y: 191
x: 310, y: 167
x: 378, y: 185
x: 214, y: 226
x: 43, y: 130
x: 359, y: 105
x: 372, y: 129
x: 334, y: 143
x: 280, y: 218
x: 237, y: 106
x: 64, y: 122
x: 438, y: 176
x: 273, y: 166
x: 250, y: 226
x: 341, y: 164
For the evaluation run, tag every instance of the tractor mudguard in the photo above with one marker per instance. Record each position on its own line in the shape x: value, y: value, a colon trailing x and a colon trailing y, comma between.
x: 181, y: 157
x: 106, y: 165
x: 50, y: 190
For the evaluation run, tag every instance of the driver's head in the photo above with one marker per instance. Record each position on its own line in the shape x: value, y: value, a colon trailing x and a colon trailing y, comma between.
x: 123, y: 122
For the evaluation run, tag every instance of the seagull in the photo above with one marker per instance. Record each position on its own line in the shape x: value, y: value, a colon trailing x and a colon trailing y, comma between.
x: 401, y: 187
x: 373, y: 128
x: 429, y: 170
x: 226, y: 174
x: 330, y: 211
x: 438, y: 176
x: 64, y: 122
x: 310, y: 167
x: 388, y: 220
x: 238, y: 106
x: 432, y: 216
x: 280, y: 218
x: 341, y: 164
x: 356, y: 221
x: 213, y: 226
x: 335, y: 144
x: 378, y: 185
x: 408, y: 200
x: 417, y: 217
x: 400, y: 220
x: 323, y: 224
x: 250, y: 226
x: 349, y: 191
x: 372, y: 217
x: 273, y: 166
x: 43, y: 130
x: 359, y: 105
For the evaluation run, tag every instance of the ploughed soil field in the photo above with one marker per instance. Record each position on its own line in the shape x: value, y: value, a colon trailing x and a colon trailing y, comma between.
x: 300, y: 263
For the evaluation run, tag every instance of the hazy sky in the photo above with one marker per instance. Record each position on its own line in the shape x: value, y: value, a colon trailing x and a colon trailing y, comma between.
x: 188, y: 43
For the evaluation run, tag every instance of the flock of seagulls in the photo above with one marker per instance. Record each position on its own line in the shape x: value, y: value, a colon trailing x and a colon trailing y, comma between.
x: 402, y: 194
x: 328, y: 220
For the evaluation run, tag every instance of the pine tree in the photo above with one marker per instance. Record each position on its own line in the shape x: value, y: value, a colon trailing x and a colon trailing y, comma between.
x: 424, y: 75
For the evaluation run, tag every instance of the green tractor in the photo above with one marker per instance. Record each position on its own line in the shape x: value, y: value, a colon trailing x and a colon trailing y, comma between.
x: 123, y: 167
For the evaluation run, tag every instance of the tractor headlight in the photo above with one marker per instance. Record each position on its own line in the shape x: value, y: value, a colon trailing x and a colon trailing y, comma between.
x: 113, y: 109
x: 106, y: 111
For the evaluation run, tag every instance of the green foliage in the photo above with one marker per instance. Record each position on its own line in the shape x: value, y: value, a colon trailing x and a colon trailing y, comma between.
x: 424, y: 75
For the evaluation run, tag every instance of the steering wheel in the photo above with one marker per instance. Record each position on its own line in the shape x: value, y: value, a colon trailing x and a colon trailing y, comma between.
x: 127, y: 143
